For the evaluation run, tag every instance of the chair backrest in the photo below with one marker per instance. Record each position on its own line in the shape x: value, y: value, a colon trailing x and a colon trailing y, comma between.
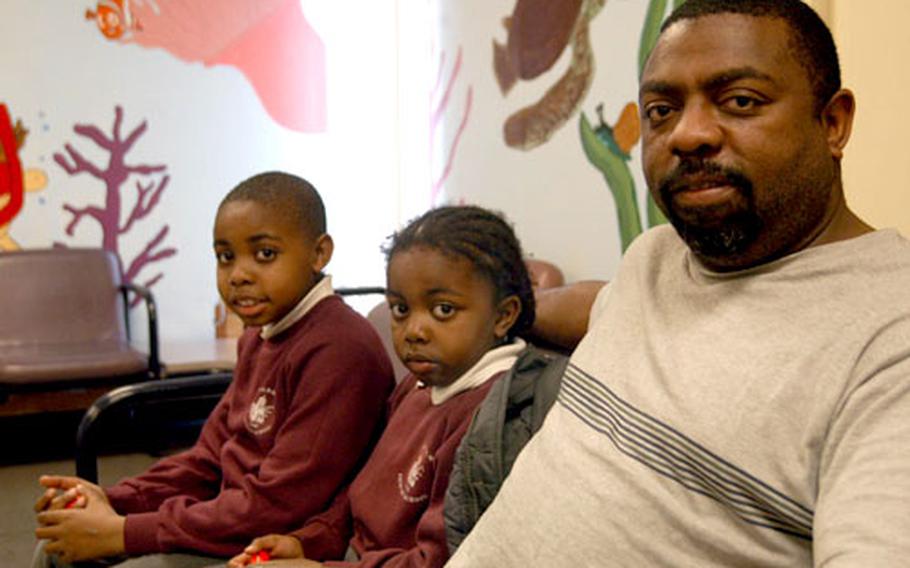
x: 381, y: 318
x: 61, y: 296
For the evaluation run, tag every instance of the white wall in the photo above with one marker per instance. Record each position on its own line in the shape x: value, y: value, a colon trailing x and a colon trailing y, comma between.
x: 210, y: 130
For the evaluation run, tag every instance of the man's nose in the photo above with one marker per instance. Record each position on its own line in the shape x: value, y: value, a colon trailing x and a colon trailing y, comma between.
x: 697, y: 131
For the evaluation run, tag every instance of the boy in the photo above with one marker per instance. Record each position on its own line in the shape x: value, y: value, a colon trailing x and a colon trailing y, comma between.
x: 307, y: 398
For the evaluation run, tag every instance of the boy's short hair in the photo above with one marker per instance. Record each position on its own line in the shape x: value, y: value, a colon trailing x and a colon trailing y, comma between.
x: 284, y: 192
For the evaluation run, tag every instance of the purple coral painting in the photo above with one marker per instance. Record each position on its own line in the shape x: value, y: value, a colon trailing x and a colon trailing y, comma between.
x: 115, y: 217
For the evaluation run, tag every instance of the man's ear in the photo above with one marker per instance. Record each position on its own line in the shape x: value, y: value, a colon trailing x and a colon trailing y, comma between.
x: 507, y: 313
x: 323, y: 248
x: 837, y: 118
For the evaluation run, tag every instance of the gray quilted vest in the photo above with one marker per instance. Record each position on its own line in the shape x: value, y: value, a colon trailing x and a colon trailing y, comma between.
x: 511, y: 413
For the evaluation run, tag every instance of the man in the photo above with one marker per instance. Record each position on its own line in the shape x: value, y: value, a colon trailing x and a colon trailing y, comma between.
x: 741, y: 395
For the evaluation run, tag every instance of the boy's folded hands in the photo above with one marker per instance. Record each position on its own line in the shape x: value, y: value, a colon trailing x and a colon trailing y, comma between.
x: 77, y: 520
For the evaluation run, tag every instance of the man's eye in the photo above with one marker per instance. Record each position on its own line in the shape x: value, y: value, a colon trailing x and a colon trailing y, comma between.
x: 224, y: 257
x: 742, y: 103
x: 658, y: 112
x: 443, y: 311
x: 398, y: 310
x: 266, y: 254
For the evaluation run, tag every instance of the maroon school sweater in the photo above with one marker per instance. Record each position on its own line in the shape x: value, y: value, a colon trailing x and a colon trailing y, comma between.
x: 298, y: 418
x: 395, y: 505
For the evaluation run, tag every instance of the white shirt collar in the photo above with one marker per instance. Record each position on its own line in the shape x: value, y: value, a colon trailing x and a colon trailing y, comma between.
x: 493, y: 361
x: 318, y: 292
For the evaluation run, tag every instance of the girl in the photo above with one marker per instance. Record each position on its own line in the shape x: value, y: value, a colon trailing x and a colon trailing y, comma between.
x: 459, y: 294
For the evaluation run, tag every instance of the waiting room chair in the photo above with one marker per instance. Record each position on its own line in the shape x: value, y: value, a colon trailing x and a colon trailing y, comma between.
x: 152, y: 413
x: 149, y: 414
x: 64, y: 330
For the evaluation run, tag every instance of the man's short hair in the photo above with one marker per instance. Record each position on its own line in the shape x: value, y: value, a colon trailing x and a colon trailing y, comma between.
x: 811, y: 41
x: 285, y: 193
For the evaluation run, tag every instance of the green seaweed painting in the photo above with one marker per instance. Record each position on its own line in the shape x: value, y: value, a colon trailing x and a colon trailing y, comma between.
x: 608, y: 147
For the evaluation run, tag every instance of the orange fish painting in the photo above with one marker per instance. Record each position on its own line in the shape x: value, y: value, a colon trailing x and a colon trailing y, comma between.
x: 113, y: 18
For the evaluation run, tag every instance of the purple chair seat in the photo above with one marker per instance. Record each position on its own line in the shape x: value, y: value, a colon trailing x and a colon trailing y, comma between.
x: 64, y: 321
x: 65, y: 362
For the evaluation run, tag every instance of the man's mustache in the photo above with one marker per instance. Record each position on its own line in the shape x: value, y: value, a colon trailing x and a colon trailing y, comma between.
x: 695, y: 173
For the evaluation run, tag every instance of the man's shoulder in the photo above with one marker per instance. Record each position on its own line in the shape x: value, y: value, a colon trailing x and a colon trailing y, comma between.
x: 662, y: 238
x: 653, y: 251
x: 874, y: 261
x: 886, y: 243
x: 881, y: 270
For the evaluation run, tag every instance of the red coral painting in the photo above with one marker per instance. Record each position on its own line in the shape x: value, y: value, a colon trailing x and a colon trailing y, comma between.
x: 14, y: 179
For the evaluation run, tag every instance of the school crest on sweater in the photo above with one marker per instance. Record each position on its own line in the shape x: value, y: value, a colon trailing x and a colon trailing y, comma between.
x: 261, y: 416
x: 415, y: 486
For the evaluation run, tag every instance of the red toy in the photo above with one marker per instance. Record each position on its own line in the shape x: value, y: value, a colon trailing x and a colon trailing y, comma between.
x: 71, y: 503
x: 260, y: 557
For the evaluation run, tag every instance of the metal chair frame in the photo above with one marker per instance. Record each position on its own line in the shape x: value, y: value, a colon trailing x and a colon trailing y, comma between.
x: 205, y: 389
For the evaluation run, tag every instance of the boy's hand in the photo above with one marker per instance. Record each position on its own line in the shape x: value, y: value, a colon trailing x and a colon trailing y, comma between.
x: 276, y: 545
x: 64, y: 492
x: 95, y: 531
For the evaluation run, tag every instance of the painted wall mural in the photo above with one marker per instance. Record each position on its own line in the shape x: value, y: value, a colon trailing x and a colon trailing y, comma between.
x: 441, y: 93
x: 269, y: 41
x: 14, y: 179
x: 145, y: 113
x: 554, y: 136
x: 608, y: 148
x: 538, y: 32
x: 115, y: 218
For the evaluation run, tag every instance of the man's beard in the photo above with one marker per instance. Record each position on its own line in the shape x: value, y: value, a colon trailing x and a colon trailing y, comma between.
x: 710, y: 231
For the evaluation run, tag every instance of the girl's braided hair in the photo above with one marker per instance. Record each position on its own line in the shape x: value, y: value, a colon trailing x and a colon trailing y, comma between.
x: 482, y: 237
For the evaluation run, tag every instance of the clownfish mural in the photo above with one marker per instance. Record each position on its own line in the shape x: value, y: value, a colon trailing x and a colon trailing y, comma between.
x: 269, y: 41
x: 113, y: 18
x: 14, y: 181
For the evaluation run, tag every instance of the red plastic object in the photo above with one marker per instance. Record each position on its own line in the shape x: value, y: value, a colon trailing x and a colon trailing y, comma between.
x: 260, y: 557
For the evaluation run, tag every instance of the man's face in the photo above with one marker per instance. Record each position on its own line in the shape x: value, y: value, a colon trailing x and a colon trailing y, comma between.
x: 734, y: 151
